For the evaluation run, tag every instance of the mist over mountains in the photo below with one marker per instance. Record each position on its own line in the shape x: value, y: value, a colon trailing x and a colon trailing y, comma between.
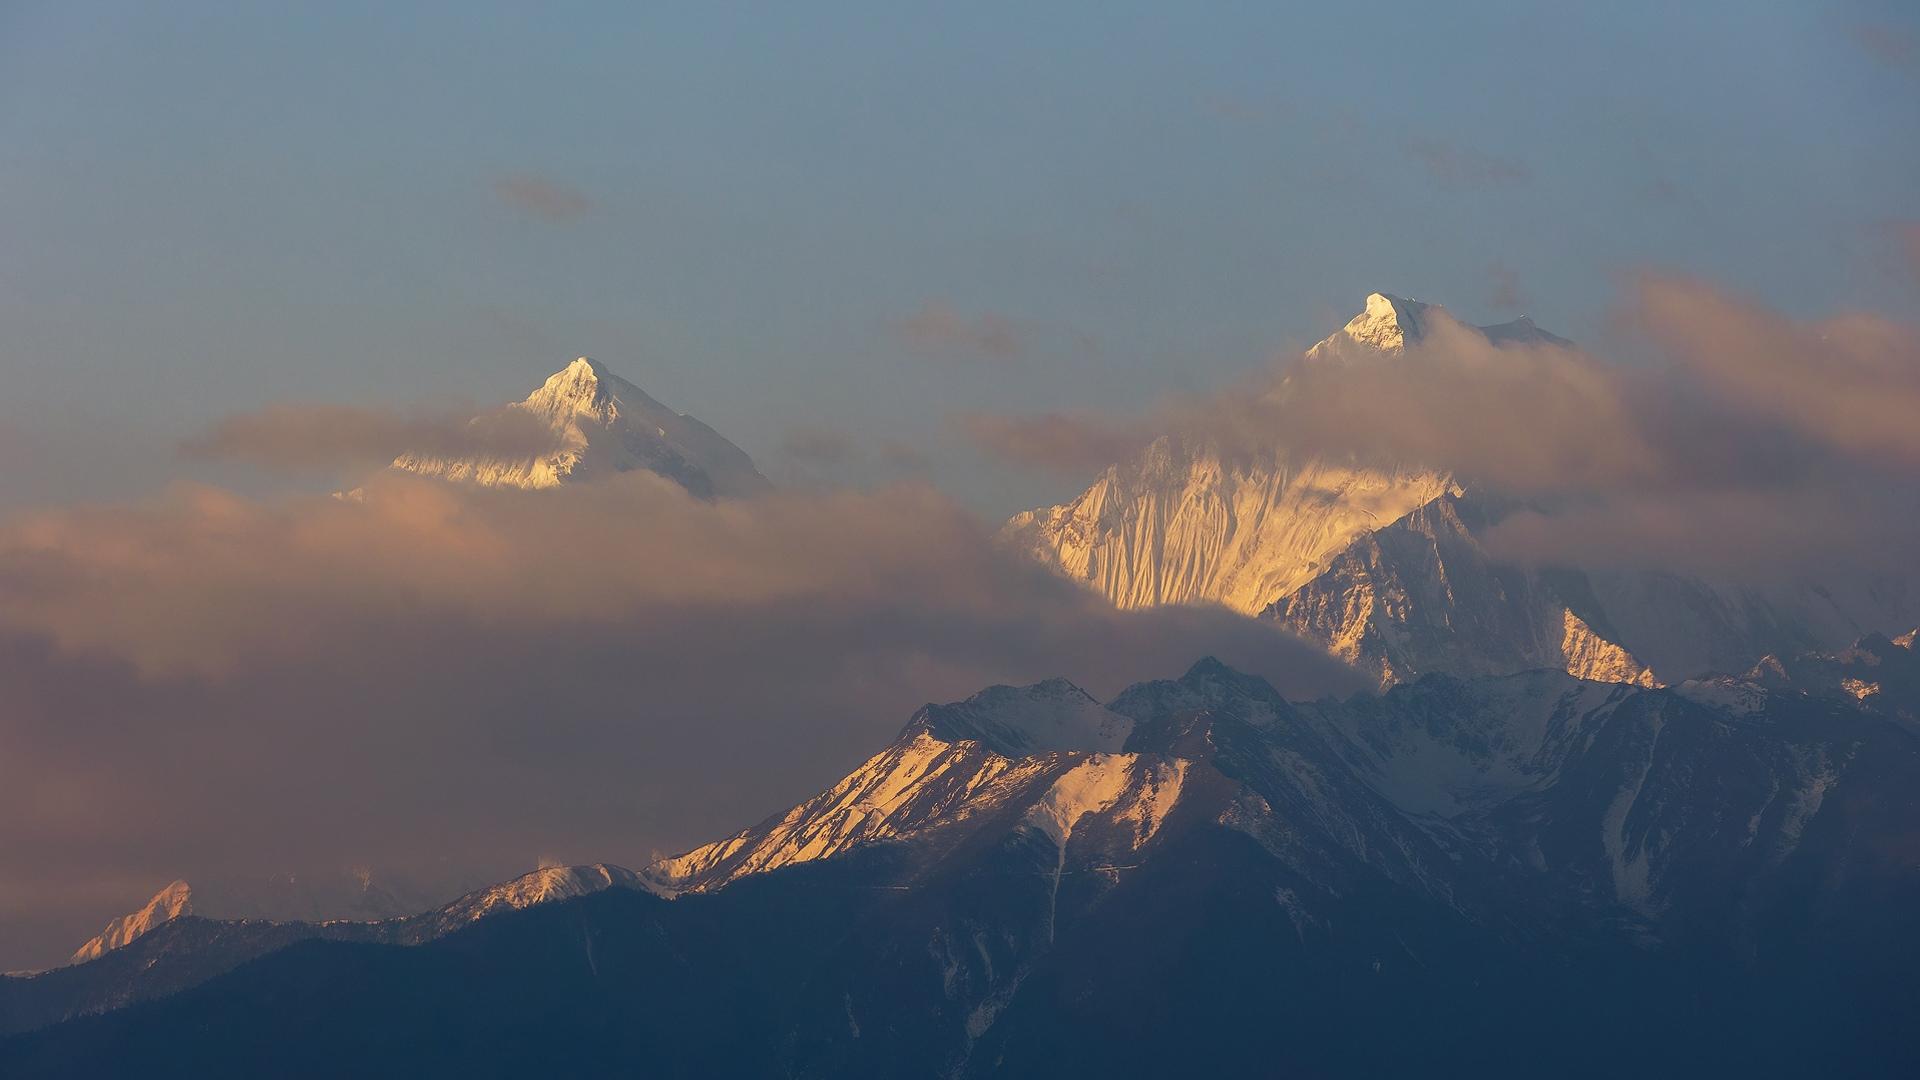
x: 1421, y: 772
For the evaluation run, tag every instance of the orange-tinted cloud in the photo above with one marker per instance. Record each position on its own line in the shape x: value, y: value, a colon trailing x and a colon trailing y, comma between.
x: 1850, y: 383
x: 938, y: 326
x: 323, y: 437
x: 209, y: 683
x: 1740, y: 431
x: 1895, y: 47
x: 542, y: 197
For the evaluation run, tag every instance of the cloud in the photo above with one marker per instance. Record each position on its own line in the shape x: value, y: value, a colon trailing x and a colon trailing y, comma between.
x: 1738, y: 434
x: 1453, y: 164
x: 541, y: 197
x: 331, y: 437
x: 1895, y: 47
x: 937, y: 326
x: 442, y: 677
x: 1848, y: 384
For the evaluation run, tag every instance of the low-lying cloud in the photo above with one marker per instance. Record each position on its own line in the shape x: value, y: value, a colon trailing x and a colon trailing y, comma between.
x: 448, y: 678
x: 334, y: 437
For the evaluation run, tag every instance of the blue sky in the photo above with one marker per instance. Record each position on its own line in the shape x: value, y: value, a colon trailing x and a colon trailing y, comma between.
x: 209, y: 207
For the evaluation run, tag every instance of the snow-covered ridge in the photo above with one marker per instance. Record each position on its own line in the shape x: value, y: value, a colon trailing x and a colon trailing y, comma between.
x: 1048, y: 751
x: 917, y: 782
x: 1360, y: 560
x: 1015, y: 721
x: 1130, y: 787
x: 542, y: 886
x: 387, y: 916
x: 603, y: 424
x: 169, y: 903
x: 1179, y: 524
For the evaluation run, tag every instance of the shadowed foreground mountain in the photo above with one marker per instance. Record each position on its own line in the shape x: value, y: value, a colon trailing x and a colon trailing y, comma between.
x: 1509, y: 875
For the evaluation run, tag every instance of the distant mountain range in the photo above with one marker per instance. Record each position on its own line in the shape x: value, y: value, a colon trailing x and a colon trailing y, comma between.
x: 1462, y: 875
x: 1595, y: 822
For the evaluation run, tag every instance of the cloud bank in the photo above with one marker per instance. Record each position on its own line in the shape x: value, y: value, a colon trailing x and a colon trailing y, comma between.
x: 1736, y: 436
x: 438, y: 678
x: 333, y: 437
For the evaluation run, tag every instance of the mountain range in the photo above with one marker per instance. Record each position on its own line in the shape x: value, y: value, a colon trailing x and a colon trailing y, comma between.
x: 1458, y: 875
x: 1593, y: 821
x: 1387, y: 567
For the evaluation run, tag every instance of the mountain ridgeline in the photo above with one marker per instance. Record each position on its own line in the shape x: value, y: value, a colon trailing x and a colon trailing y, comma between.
x: 1386, y: 567
x: 1594, y: 822
x: 1473, y: 874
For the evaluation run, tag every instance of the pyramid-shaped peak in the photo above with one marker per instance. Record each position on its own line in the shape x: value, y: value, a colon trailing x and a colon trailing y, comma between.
x: 603, y: 424
x: 1386, y: 324
x: 1389, y: 322
x: 1208, y: 667
x: 582, y: 383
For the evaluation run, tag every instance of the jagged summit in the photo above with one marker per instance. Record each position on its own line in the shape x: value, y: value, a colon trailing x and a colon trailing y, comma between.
x: 169, y: 903
x: 1389, y: 325
x: 583, y: 385
x: 602, y: 424
x: 1386, y: 324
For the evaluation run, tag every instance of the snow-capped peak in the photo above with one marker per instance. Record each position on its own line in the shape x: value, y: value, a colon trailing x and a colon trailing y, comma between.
x: 1387, y: 324
x: 603, y: 424
x: 169, y: 903
x: 580, y: 387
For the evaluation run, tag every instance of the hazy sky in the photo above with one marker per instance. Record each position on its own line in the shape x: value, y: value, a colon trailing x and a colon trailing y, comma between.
x: 863, y: 218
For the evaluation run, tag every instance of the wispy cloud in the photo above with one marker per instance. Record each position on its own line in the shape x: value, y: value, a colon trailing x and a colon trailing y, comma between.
x: 327, y: 437
x: 1735, y: 414
x: 542, y: 197
x: 1454, y: 164
x: 937, y: 326
x: 1890, y: 45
